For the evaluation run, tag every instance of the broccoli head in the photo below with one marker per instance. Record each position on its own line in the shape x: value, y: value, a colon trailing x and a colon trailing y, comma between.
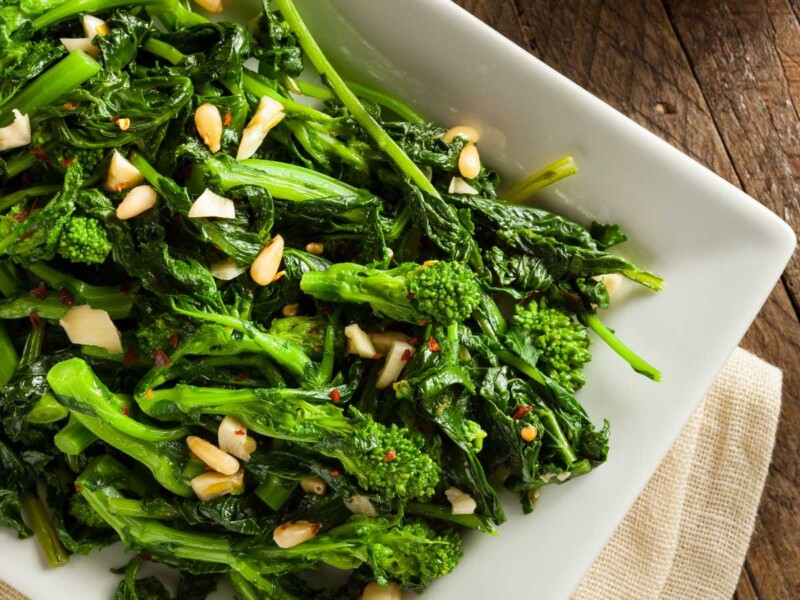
x: 389, y: 460
x: 436, y: 292
x: 84, y: 513
x: 562, y: 342
x: 162, y: 332
x: 475, y: 433
x: 84, y: 240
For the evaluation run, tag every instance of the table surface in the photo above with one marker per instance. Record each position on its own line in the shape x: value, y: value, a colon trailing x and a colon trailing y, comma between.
x: 720, y: 80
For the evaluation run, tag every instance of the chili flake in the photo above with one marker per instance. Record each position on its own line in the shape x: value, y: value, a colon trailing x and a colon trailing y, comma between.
x: 160, y: 358
x: 35, y: 319
x: 129, y: 359
x: 65, y: 297
x: 433, y: 345
x: 335, y: 396
x: 40, y: 291
x: 521, y: 411
x: 390, y: 455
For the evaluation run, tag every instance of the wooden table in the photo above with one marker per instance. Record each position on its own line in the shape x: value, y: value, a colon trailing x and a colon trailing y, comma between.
x: 720, y: 80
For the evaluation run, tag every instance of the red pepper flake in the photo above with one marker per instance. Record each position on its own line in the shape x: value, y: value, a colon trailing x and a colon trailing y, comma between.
x: 240, y: 432
x: 67, y: 162
x: 326, y: 310
x: 390, y: 455
x: 335, y: 474
x: 125, y: 287
x: 39, y: 154
x: 78, y: 487
x: 129, y: 359
x: 521, y: 411
x: 228, y: 119
x: 414, y: 341
x: 335, y: 396
x: 422, y: 322
x: 174, y: 339
x: 25, y: 236
x: 40, y: 291
x: 145, y: 555
x: 65, y: 297
x: 21, y: 216
x: 433, y: 345
x: 35, y: 319
x: 149, y: 393
x: 406, y: 356
x: 160, y: 358
x: 377, y: 356
x: 126, y: 411
x: 240, y: 377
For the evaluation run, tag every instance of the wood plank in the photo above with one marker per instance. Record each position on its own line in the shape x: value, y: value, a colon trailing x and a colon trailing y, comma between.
x: 628, y: 54
x: 745, y: 590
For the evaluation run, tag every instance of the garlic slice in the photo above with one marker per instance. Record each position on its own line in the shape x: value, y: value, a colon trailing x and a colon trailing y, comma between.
x: 82, y: 44
x: 226, y: 269
x: 232, y: 438
x: 121, y: 174
x: 89, y: 326
x: 358, y: 342
x: 459, y: 186
x: 93, y: 26
x: 361, y: 505
x: 17, y: 134
x: 268, y: 114
x: 264, y: 269
x: 396, y: 361
x: 209, y: 204
x: 383, y: 340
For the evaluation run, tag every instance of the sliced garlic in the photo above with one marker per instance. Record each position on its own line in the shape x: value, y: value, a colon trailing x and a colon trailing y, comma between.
x: 226, y: 269
x: 213, y: 457
x: 293, y: 533
x: 373, y: 591
x: 459, y: 186
x: 209, y: 204
x: 265, y: 267
x: 611, y: 281
x: 93, y: 26
x: 89, y: 326
x: 383, y: 340
x: 268, y: 114
x: 461, y: 502
x: 232, y: 438
x: 358, y: 342
x: 121, y: 174
x: 315, y: 485
x: 17, y: 134
x: 208, y: 122
x: 361, y: 505
x: 137, y: 201
x: 213, y: 485
x: 82, y: 44
x: 396, y: 361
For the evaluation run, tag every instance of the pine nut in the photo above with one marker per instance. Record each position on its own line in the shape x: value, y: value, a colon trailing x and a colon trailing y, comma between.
x: 293, y: 533
x: 290, y: 310
x: 467, y: 133
x: 212, y: 6
x: 361, y: 505
x: 528, y: 433
x: 314, y: 248
x: 213, y: 485
x: 208, y: 122
x: 612, y: 281
x: 469, y: 161
x: 315, y: 485
x: 124, y: 124
x: 232, y: 437
x: 374, y: 591
x: 137, y: 201
x: 17, y: 134
x: 265, y: 266
x: 213, y: 457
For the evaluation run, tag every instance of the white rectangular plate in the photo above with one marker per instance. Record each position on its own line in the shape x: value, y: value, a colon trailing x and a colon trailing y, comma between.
x: 719, y: 251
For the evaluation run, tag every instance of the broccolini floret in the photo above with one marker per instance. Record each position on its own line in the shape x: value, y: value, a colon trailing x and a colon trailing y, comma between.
x: 438, y: 292
x: 84, y: 240
x: 562, y: 343
x: 80, y: 509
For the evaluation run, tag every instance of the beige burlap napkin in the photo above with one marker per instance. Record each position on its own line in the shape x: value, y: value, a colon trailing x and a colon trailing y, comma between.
x: 687, y: 534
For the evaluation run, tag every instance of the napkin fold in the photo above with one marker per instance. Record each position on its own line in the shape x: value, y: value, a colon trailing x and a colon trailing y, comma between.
x: 688, y: 533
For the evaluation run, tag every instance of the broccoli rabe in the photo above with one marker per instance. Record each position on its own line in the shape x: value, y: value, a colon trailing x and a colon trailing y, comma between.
x: 562, y: 342
x: 84, y: 240
x: 439, y: 292
x: 80, y: 509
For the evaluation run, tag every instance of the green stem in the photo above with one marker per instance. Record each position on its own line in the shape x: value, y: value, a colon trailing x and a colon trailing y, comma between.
x: 33, y: 345
x: 49, y: 308
x: 607, y: 335
x: 9, y: 282
x: 38, y: 519
x: 276, y: 491
x: 258, y: 86
x: 74, y: 8
x: 445, y: 513
x: 135, y: 508
x: 350, y: 100
x: 9, y: 359
x: 563, y: 167
x: 46, y: 410
x: 163, y: 50
x: 65, y: 76
x: 73, y: 438
x: 19, y: 164
x: 20, y: 196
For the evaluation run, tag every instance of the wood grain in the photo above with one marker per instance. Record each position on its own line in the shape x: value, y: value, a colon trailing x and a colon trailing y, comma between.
x: 721, y: 81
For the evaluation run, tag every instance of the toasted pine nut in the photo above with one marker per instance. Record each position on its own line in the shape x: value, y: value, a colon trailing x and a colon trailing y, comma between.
x: 315, y: 485
x: 124, y: 124
x: 469, y: 134
x: 137, y: 201
x: 469, y: 161
x: 213, y: 485
x: 217, y: 459
x: 373, y: 591
x: 315, y: 248
x: 208, y: 121
x: 361, y: 505
x: 265, y: 266
x: 612, y: 281
x: 290, y: 310
x: 212, y: 6
x: 293, y: 533
x: 528, y: 433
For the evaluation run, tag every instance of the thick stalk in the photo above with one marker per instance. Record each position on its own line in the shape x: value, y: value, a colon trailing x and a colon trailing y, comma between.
x: 563, y: 167
x: 19, y: 164
x: 73, y: 438
x: 135, y: 508
x: 604, y: 333
x: 38, y: 518
x: 46, y: 410
x: 74, y: 8
x: 350, y: 100
x: 20, y: 196
x: 9, y: 282
x: 276, y: 491
x: 9, y: 359
x: 50, y: 308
